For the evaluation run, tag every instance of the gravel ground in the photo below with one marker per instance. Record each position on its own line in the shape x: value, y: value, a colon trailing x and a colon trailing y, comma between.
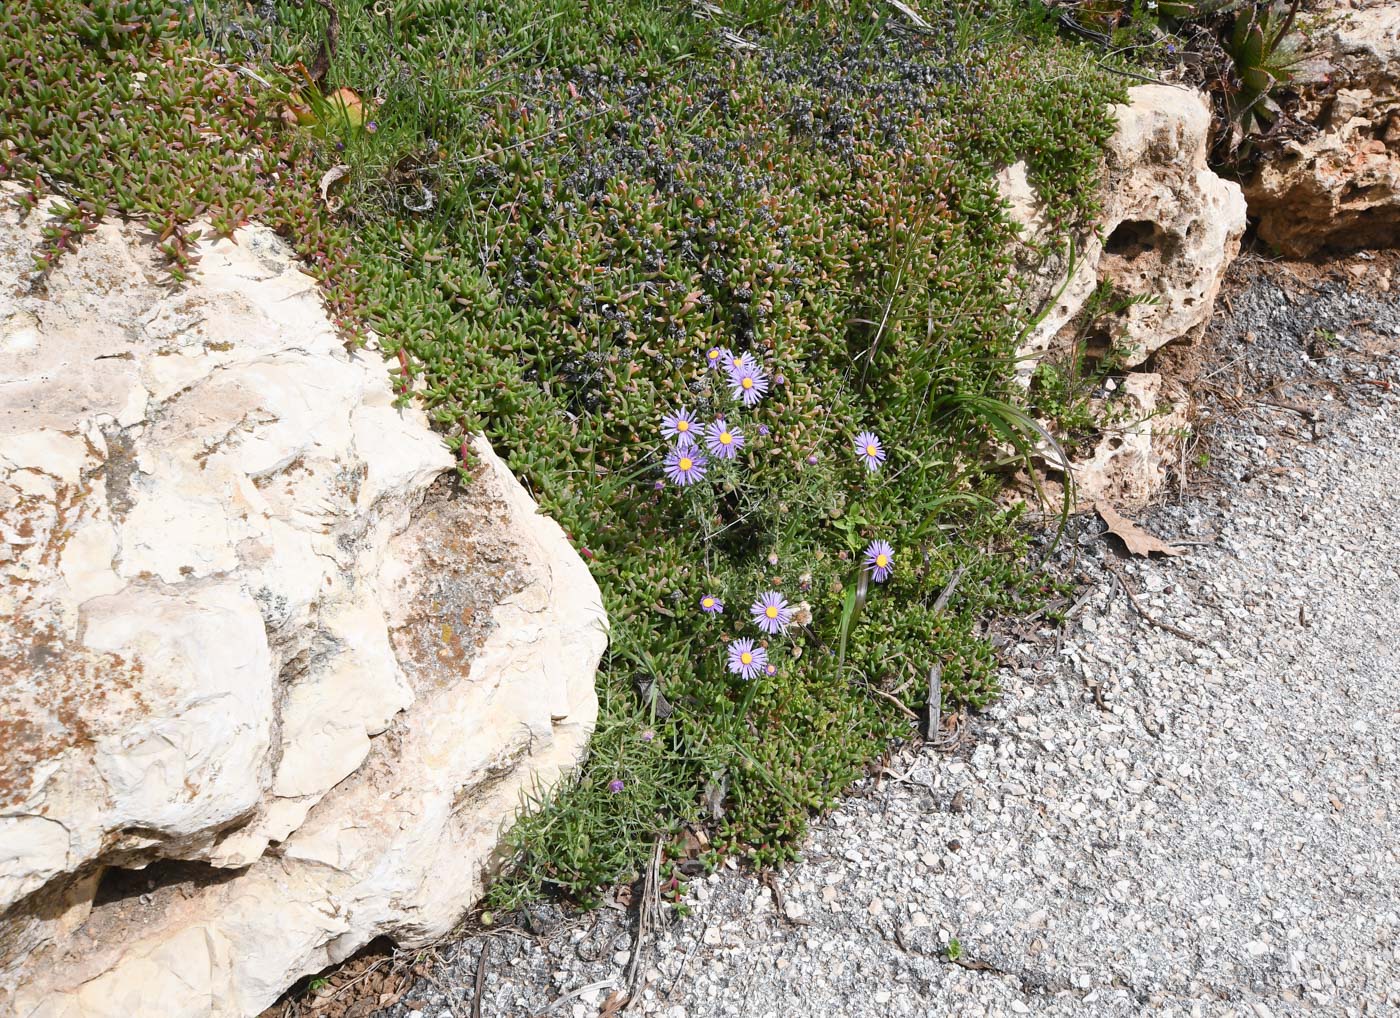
x: 1206, y: 826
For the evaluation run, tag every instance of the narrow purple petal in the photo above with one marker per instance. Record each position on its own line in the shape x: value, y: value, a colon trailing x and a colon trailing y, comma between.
x: 771, y: 612
x: 879, y: 557
x: 745, y: 659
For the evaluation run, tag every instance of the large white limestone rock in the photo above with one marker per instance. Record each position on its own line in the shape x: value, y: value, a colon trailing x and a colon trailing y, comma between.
x: 272, y: 682
x: 1142, y: 436
x: 1170, y: 228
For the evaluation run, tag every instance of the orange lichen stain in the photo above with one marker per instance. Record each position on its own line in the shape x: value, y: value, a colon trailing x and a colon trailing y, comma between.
x: 55, y: 694
x: 56, y: 697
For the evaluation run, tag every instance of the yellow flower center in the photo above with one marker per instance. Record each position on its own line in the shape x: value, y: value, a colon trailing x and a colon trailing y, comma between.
x: 747, y: 383
x: 709, y: 602
x: 714, y: 355
x: 870, y: 450
x: 725, y: 438
x: 771, y: 612
x: 682, y: 425
x: 746, y: 658
x: 882, y: 561
x: 685, y: 463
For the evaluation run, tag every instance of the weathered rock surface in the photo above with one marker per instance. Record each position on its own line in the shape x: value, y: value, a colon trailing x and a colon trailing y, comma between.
x: 1170, y: 227
x: 1142, y: 436
x: 1338, y: 185
x: 271, y: 683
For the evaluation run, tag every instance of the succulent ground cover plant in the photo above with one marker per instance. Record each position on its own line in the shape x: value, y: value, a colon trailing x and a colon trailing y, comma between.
x: 728, y: 285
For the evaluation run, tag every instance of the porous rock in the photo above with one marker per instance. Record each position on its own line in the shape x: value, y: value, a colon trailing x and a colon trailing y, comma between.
x: 1336, y: 184
x: 1168, y: 230
x: 272, y: 681
x: 1142, y: 435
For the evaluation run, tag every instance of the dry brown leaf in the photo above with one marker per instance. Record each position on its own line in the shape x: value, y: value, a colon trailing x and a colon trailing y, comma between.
x: 1137, y: 540
x: 328, y: 179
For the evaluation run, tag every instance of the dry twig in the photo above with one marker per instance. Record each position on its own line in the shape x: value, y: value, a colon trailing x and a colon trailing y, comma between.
x: 602, y: 984
x: 648, y: 916
x: 481, y: 964
x: 1151, y: 619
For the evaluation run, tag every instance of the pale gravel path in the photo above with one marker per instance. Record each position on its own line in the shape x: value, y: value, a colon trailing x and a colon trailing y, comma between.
x: 1223, y: 838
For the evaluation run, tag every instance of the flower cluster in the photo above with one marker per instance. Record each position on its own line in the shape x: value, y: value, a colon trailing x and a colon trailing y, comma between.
x: 687, y: 461
x: 693, y: 447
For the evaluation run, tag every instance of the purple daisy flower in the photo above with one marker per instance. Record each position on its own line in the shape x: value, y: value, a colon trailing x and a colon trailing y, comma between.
x: 771, y: 612
x: 723, y: 441
x: 717, y: 357
x: 685, y: 466
x: 748, y: 382
x: 681, y: 426
x: 711, y: 605
x: 869, y: 450
x: 738, y: 361
x: 770, y: 669
x: 879, y: 556
x: 746, y: 660
x: 616, y: 785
